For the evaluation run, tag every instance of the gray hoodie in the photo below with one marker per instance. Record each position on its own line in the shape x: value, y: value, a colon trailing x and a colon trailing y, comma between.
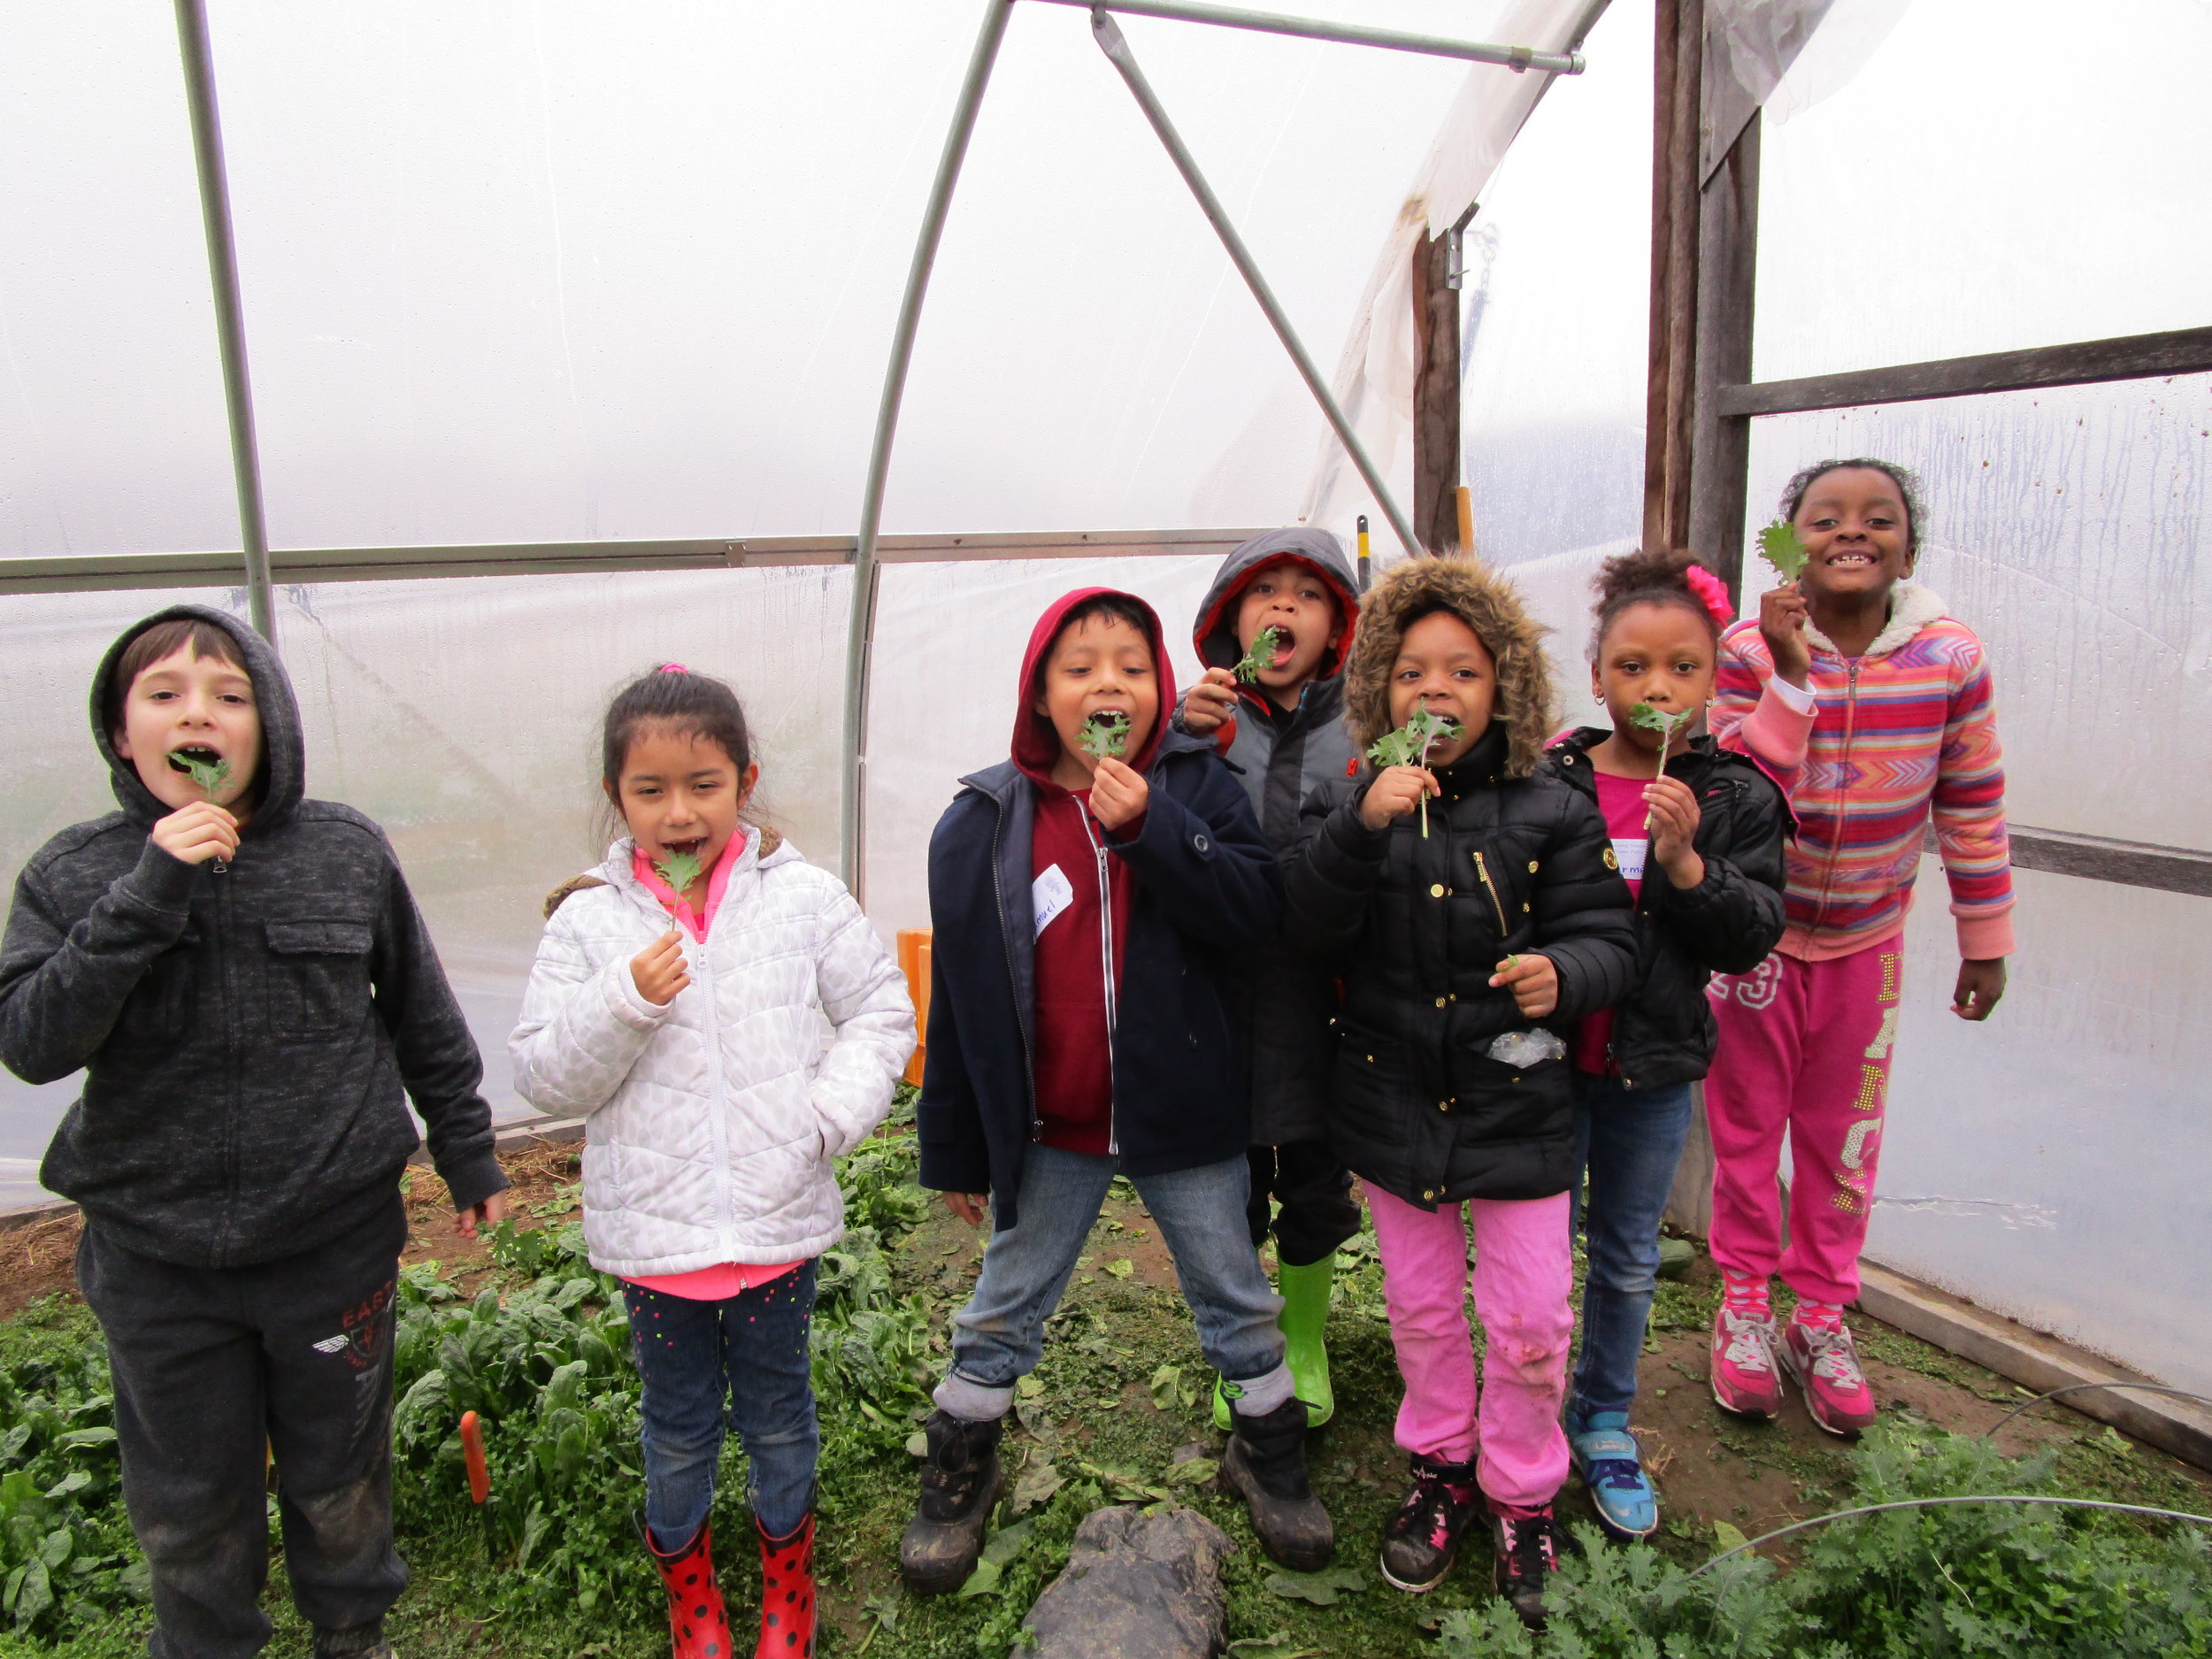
x: 1285, y: 998
x: 250, y: 1037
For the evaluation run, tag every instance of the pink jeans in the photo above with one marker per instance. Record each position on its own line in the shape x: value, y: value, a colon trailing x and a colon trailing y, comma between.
x: 1524, y: 1279
x: 1805, y: 1047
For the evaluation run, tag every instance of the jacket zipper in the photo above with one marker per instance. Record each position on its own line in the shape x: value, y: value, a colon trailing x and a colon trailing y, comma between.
x: 1482, y: 869
x: 1006, y: 942
x: 1850, y: 730
x: 1106, y: 962
x: 718, y: 1093
x: 234, y: 1039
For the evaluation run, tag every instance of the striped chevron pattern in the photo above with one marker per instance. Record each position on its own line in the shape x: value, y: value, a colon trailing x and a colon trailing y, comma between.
x: 1907, y: 732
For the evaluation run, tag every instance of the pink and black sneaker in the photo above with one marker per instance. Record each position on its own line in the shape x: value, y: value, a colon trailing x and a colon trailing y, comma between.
x: 1745, y: 1380
x: 1422, y: 1536
x: 1528, y: 1543
x: 1823, y: 1360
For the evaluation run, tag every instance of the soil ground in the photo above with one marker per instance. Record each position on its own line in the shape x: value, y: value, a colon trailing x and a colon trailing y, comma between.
x: 1122, y: 1388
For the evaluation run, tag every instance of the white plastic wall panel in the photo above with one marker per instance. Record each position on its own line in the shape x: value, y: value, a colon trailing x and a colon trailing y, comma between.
x: 112, y: 434
x: 1995, y: 174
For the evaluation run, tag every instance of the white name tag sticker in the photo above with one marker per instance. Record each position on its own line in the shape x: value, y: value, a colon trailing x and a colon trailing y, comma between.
x: 1048, y: 895
x: 1631, y: 855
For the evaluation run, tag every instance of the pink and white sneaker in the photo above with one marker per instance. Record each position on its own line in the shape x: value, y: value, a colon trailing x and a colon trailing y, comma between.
x: 1744, y: 1379
x: 1823, y: 1360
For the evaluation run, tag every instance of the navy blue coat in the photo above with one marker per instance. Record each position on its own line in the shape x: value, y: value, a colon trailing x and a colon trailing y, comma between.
x: 1208, y: 893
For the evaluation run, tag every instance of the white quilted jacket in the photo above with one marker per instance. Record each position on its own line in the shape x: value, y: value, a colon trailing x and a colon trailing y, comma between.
x: 710, y: 1123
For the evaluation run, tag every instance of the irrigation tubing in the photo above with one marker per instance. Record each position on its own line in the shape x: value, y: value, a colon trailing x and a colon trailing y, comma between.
x: 2081, y: 1387
x: 1929, y: 1503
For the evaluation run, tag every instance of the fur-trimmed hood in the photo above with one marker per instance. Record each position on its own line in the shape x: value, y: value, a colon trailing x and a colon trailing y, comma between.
x: 1487, y: 602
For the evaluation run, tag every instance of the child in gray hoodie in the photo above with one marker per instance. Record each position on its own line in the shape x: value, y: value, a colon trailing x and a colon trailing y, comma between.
x: 244, y: 980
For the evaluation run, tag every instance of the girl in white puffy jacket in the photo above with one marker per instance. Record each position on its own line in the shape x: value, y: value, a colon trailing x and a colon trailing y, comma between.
x: 725, y: 1020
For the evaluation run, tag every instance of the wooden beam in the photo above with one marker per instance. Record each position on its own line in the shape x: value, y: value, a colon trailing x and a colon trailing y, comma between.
x: 1435, y: 397
x: 2099, y: 858
x: 1720, y: 448
x: 2085, y: 362
x: 1677, y: 50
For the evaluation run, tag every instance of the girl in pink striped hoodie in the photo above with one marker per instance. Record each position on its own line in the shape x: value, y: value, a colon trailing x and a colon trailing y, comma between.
x: 1876, y: 707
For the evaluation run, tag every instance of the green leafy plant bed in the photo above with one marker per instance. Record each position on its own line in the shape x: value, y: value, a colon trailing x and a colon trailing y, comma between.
x: 530, y: 1339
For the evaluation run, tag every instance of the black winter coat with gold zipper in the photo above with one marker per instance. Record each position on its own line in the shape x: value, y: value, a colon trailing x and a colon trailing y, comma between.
x: 1415, y: 928
x: 1663, y: 1031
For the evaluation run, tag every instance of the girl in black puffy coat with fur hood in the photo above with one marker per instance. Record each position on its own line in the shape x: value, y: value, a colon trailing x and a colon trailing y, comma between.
x: 1474, y: 912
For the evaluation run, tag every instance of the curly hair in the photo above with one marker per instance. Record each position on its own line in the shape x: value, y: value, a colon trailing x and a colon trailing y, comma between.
x: 1906, y: 480
x: 1650, y: 576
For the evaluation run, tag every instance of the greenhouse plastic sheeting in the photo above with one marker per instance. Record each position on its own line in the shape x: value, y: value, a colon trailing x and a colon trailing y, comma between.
x: 462, y: 715
x: 1996, y: 174
x: 518, y: 273
x: 1555, y: 312
x: 2070, y: 529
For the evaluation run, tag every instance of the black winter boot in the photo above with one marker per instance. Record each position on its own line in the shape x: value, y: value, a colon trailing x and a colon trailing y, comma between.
x: 1266, y: 1465
x: 1421, y: 1538
x: 960, y: 1485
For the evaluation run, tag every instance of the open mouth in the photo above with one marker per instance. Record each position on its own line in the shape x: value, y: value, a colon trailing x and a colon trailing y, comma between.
x: 1286, y: 645
x: 187, y: 756
x: 695, y: 848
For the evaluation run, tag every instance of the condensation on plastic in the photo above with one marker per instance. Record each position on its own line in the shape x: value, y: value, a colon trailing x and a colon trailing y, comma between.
x: 1999, y: 175
x: 2051, y: 1164
x: 947, y: 683
x: 2070, y: 529
x: 462, y: 715
x: 1556, y: 315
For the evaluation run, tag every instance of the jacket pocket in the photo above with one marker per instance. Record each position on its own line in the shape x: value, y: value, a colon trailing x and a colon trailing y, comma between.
x: 160, y: 1009
x: 319, y: 977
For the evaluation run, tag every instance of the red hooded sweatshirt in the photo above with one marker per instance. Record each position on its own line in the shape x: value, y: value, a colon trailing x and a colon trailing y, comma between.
x: 1077, y: 885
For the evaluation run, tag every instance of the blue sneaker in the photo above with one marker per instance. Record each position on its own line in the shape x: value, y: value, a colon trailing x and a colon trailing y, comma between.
x: 1606, y: 1456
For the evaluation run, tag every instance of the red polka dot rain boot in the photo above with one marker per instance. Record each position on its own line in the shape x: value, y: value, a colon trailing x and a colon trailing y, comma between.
x: 786, y: 1593
x: 698, y: 1626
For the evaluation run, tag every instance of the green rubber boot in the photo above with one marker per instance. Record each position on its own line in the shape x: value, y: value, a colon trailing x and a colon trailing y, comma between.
x: 1305, y: 1294
x: 1305, y: 1318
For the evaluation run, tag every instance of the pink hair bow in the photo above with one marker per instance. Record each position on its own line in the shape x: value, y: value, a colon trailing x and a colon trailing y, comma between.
x: 1712, y: 592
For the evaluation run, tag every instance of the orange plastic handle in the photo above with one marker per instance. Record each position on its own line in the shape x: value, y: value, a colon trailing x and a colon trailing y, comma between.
x: 472, y: 1453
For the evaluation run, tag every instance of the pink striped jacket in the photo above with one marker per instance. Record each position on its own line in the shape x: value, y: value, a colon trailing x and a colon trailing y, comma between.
x: 1906, y: 730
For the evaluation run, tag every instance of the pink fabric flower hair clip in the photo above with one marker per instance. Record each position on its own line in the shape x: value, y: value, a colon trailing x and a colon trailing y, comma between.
x: 671, y: 668
x: 1712, y: 593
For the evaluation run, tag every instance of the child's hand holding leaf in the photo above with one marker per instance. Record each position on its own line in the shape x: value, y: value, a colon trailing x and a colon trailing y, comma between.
x: 1673, y: 821
x: 193, y: 834
x: 1534, y: 981
x: 1782, y: 611
x: 1210, y: 703
x: 1120, y: 793
x: 1397, y: 789
x: 1408, y: 748
x: 659, y: 970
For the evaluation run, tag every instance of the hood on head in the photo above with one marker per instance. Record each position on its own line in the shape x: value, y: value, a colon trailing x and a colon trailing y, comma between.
x: 1487, y: 602
x: 283, y: 776
x: 1036, y: 746
x: 1215, y: 636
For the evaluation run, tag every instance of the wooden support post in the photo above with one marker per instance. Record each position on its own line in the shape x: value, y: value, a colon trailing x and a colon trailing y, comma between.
x: 1720, y: 447
x: 1435, y: 398
x: 1677, y: 56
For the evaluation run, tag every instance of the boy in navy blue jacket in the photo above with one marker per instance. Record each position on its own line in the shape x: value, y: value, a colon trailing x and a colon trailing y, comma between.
x: 1086, y: 896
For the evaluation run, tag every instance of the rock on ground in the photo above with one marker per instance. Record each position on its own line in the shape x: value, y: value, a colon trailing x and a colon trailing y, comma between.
x: 1137, y: 1587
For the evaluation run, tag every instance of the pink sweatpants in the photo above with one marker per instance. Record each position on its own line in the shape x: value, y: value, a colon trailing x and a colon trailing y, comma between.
x: 1805, y: 1047
x: 1524, y: 1279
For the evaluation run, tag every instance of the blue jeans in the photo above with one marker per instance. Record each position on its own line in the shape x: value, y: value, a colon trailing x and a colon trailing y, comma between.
x: 999, y: 1336
x: 706, y: 1363
x: 1629, y: 1140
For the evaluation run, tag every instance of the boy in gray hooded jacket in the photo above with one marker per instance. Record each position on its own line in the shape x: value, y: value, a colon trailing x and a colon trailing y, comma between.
x: 243, y: 979
x: 1276, y: 713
